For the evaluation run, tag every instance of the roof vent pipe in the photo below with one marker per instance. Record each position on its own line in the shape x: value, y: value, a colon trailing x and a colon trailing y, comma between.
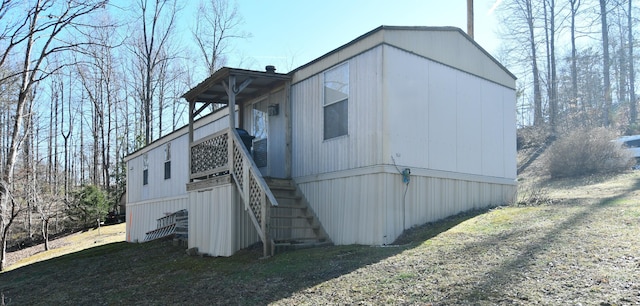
x: 270, y: 69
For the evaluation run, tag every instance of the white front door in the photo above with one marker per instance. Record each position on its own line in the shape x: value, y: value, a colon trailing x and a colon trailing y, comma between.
x: 260, y: 130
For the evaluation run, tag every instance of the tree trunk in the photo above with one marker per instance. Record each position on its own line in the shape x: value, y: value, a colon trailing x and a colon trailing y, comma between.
x: 549, y: 6
x: 45, y: 233
x: 606, y: 121
x: 6, y: 224
x: 81, y: 153
x: 633, y: 111
x: 553, y: 98
x: 16, y: 139
x: 537, y: 98
x: 575, y: 4
x: 28, y: 170
x: 50, y: 144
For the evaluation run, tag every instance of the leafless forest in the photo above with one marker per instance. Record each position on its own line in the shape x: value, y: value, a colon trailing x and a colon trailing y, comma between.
x: 84, y: 83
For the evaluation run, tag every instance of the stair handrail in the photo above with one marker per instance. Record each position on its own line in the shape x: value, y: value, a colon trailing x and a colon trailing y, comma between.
x: 244, y: 172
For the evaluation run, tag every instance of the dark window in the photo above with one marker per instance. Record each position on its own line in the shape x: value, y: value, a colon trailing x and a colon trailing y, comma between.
x: 167, y: 170
x: 336, y: 121
x: 336, y: 102
x: 145, y: 169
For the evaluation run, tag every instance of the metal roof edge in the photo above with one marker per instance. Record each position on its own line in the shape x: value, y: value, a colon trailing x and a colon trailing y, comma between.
x: 406, y: 28
x: 228, y: 71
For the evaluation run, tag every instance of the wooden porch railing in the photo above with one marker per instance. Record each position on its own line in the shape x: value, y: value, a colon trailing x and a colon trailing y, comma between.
x: 255, y: 194
x: 209, y: 155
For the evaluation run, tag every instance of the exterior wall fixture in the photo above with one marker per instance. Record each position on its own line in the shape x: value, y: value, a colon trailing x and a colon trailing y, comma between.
x: 273, y: 109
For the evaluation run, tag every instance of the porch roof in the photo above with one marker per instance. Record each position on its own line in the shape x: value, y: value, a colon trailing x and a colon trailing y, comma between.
x: 212, y: 90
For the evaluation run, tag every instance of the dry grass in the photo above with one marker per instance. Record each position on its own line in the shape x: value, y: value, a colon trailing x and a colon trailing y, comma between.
x: 579, y: 250
x: 582, y: 249
x: 66, y: 245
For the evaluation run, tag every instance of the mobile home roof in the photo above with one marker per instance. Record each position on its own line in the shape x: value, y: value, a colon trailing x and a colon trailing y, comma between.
x: 447, y: 45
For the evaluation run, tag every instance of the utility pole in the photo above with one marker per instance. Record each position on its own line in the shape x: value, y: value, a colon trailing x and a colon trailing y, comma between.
x: 470, y: 18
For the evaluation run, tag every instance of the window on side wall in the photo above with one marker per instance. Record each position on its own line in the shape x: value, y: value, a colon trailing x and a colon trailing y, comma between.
x: 167, y: 161
x: 336, y: 101
x: 145, y: 169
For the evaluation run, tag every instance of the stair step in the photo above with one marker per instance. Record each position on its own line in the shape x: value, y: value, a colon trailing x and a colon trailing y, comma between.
x: 289, y: 206
x: 291, y: 217
x: 280, y: 184
x: 282, y: 187
x: 299, y: 215
x: 309, y: 227
x: 300, y: 246
x: 301, y: 240
x: 287, y: 196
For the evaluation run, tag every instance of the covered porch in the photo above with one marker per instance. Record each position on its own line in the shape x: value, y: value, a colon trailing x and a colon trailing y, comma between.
x: 259, y: 103
x: 235, y: 160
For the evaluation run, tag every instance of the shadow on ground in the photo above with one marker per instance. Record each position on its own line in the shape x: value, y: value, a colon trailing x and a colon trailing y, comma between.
x: 161, y: 273
x: 503, y: 275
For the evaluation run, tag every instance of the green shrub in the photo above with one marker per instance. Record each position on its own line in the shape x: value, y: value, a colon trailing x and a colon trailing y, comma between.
x: 88, y: 205
x: 587, y: 151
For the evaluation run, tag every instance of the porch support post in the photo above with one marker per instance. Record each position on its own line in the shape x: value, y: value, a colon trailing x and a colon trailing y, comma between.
x: 232, y: 90
x: 192, y: 105
x: 231, y: 93
x: 286, y: 109
x: 266, y: 244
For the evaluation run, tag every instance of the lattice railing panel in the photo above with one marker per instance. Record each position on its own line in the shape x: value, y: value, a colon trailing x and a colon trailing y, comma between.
x: 210, y: 154
x: 238, y: 166
x: 256, y: 196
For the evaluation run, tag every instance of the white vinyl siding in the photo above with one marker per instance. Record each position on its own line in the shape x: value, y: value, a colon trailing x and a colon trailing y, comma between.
x: 440, y: 44
x: 424, y: 114
x: 454, y: 130
x: 158, y: 187
x: 369, y: 209
x: 141, y: 217
x: 218, y: 223
x: 445, y: 119
x: 453, y: 49
x: 363, y: 147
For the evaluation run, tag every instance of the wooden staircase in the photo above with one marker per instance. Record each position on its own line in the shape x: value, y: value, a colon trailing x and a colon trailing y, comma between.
x: 293, y: 224
x: 277, y: 208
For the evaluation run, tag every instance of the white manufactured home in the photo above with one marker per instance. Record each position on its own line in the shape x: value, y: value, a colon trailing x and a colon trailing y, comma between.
x: 400, y: 127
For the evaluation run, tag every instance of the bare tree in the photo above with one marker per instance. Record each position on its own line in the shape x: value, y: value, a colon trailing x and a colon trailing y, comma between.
x: 44, y: 29
x: 606, y: 120
x: 158, y: 22
x: 66, y: 137
x: 519, y: 17
x: 217, y: 24
x: 527, y: 9
x: 552, y: 79
x: 575, y: 6
x: 99, y: 80
x: 633, y: 111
